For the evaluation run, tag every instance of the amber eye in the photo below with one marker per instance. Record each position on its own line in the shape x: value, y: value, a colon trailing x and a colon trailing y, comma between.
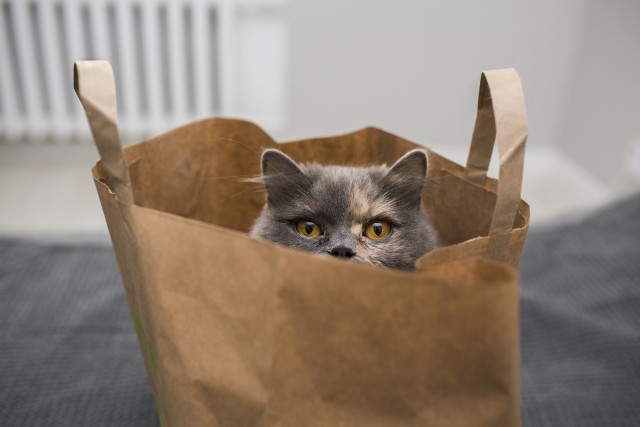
x: 308, y: 228
x: 377, y: 230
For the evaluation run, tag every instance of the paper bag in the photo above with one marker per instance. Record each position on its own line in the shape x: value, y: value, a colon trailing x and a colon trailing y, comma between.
x: 241, y: 332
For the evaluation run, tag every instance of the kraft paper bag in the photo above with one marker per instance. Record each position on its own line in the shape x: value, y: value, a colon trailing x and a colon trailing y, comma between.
x: 241, y: 332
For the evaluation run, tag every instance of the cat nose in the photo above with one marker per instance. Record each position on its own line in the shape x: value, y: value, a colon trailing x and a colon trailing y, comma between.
x: 342, y: 252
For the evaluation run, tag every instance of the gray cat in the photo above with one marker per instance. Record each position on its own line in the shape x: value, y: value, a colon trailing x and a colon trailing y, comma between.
x: 371, y: 215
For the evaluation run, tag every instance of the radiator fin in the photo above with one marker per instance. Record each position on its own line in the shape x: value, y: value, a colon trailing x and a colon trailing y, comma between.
x: 175, y: 61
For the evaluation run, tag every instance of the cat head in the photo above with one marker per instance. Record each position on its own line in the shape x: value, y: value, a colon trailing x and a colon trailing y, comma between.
x: 371, y: 215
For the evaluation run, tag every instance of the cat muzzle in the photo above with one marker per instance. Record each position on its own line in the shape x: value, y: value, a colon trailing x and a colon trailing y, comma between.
x: 342, y: 252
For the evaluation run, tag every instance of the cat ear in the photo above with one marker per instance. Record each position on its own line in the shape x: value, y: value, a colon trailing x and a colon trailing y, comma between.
x: 281, y: 175
x: 275, y: 162
x: 406, y: 178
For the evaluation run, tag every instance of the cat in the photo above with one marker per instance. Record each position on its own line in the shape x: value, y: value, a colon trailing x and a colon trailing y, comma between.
x: 370, y: 215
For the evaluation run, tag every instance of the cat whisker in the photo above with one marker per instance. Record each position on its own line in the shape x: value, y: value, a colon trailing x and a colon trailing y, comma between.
x: 248, y: 190
x: 437, y: 179
x: 238, y: 177
x: 243, y: 144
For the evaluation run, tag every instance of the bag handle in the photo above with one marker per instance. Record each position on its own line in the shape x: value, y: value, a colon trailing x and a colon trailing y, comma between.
x: 95, y: 85
x: 501, y: 111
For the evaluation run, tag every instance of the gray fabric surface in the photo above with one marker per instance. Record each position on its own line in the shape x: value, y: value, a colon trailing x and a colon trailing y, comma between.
x: 68, y: 351
x: 69, y: 355
x: 580, y: 317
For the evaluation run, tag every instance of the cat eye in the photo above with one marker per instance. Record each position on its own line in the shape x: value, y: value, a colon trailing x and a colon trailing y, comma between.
x: 308, y: 228
x: 377, y: 230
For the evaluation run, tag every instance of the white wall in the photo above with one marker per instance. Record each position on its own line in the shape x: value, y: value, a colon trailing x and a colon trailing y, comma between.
x: 412, y: 67
x: 601, y: 123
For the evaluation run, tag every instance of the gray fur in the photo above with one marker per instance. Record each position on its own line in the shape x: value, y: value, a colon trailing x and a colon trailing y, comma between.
x: 342, y: 200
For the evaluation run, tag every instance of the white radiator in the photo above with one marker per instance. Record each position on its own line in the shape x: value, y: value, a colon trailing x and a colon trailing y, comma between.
x: 175, y: 61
